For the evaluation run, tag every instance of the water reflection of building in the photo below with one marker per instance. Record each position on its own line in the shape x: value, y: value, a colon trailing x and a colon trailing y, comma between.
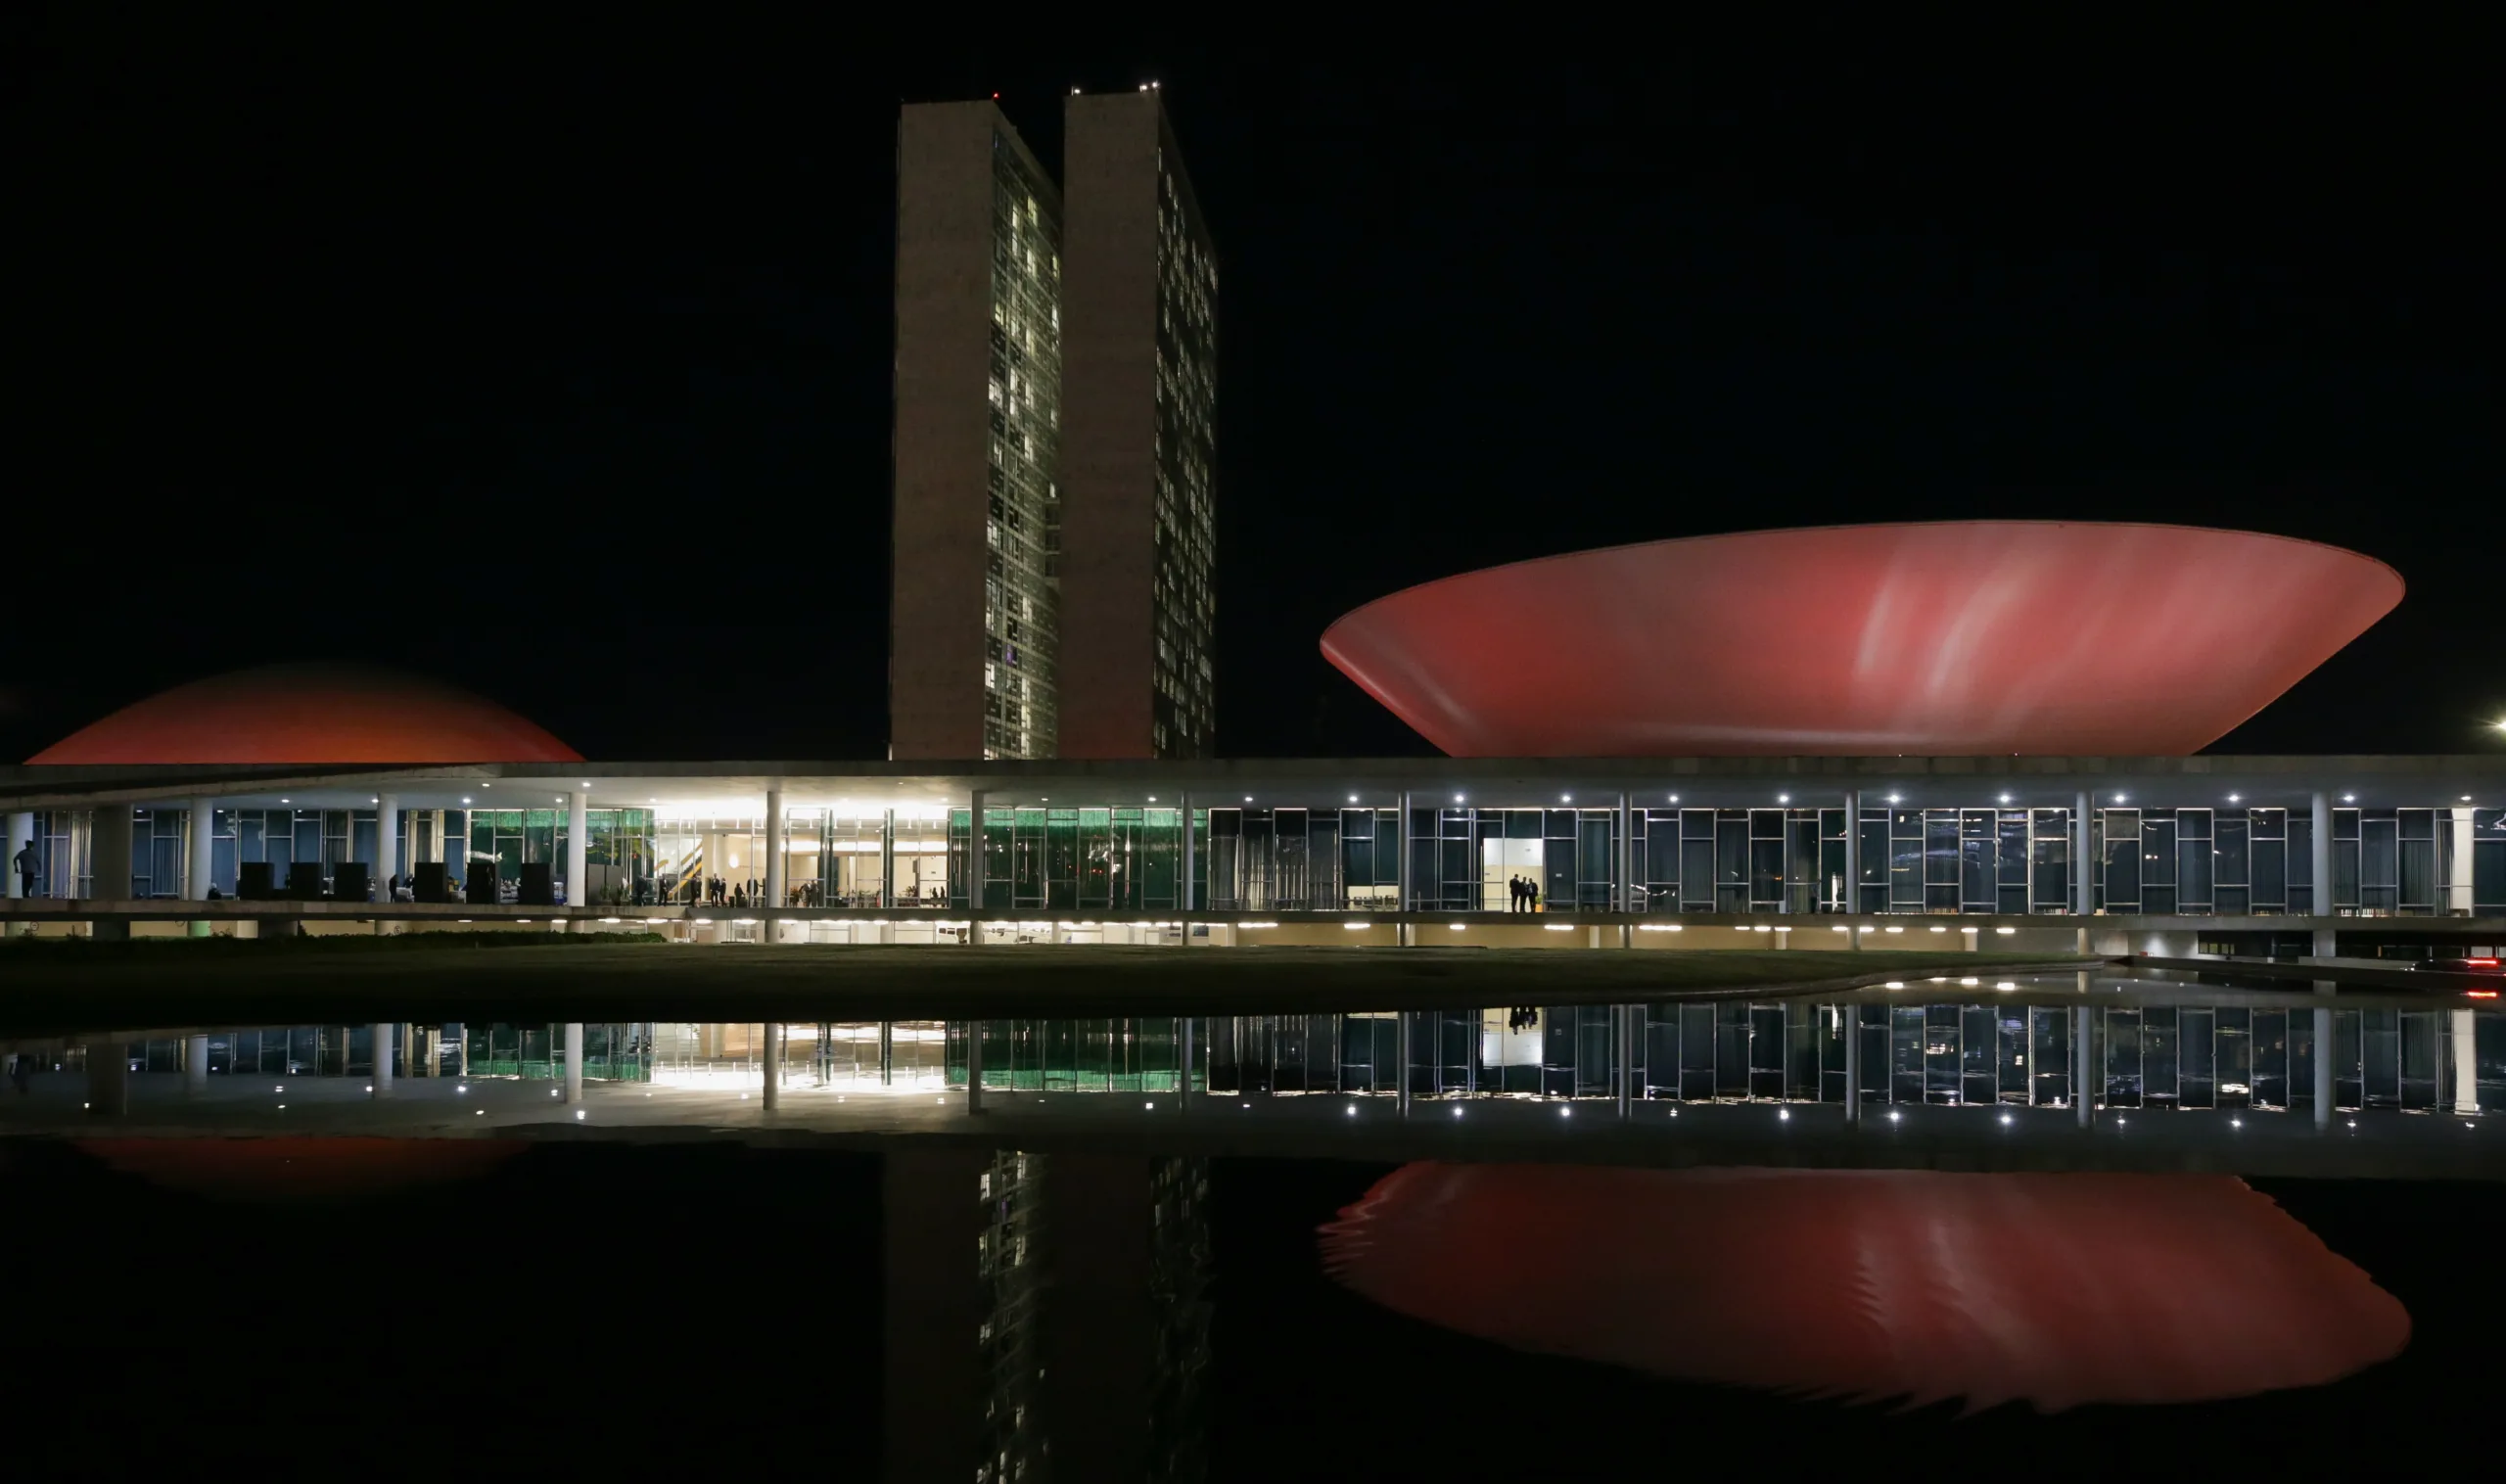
x: 2179, y: 1052
x: 1045, y: 1316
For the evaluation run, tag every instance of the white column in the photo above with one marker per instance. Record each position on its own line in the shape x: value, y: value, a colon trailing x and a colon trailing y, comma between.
x: 1626, y: 1040
x: 577, y: 839
x: 774, y: 858
x: 2322, y: 1070
x: 1853, y: 870
x: 22, y: 833
x: 1626, y: 852
x: 1401, y: 852
x: 387, y: 844
x: 772, y: 1090
x: 1184, y: 892
x: 382, y: 1079
x: 887, y: 859
x: 1402, y: 1052
x: 2320, y: 852
x: 574, y: 1061
x: 974, y: 867
x: 2084, y: 1089
x: 2082, y: 897
x: 1852, y: 902
x: 2464, y: 1030
x: 1184, y: 1083
x: 1850, y: 1016
x: 108, y: 855
x: 196, y: 1062
x: 197, y: 866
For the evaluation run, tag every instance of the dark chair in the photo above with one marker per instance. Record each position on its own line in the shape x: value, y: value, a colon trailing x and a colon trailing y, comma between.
x: 351, y: 881
x: 428, y: 882
x: 253, y: 881
x: 537, y: 887
x: 304, y: 881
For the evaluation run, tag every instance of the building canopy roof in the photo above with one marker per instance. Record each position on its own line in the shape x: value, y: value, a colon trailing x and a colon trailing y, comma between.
x: 1973, y: 638
x: 309, y: 713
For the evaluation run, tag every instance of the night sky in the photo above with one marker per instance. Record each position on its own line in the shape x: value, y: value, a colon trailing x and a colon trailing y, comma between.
x: 557, y: 365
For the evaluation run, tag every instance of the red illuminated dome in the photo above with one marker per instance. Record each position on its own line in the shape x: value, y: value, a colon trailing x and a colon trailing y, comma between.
x: 1950, y: 638
x: 310, y: 714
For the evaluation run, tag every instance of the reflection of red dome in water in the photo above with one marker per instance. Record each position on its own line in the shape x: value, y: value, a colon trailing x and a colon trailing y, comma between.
x: 310, y: 714
x: 301, y: 1169
x: 2057, y: 1289
x: 1965, y: 638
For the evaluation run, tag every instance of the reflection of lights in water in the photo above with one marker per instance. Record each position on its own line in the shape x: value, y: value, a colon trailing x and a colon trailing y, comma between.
x: 2055, y: 1289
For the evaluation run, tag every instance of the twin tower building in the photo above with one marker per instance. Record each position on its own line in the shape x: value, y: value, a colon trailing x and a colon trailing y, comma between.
x: 1055, y: 382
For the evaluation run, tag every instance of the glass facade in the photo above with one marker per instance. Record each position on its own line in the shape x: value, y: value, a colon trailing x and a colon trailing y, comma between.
x: 618, y: 850
x: 1023, y: 529
x: 1186, y: 616
x: 2404, y: 860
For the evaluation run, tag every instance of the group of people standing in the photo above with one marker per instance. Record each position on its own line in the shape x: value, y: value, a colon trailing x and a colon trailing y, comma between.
x: 1526, y: 894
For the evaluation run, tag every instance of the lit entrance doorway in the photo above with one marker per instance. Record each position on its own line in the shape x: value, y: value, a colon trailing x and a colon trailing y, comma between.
x: 1502, y: 860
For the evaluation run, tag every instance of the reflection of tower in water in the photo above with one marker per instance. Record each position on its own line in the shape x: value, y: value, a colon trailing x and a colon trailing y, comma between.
x: 1045, y: 1316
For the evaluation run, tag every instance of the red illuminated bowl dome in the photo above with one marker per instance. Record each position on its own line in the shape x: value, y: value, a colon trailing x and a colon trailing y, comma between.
x: 1948, y: 638
x: 310, y: 714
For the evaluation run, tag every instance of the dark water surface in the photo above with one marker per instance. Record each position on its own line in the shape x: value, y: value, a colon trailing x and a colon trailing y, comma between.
x: 697, y: 1310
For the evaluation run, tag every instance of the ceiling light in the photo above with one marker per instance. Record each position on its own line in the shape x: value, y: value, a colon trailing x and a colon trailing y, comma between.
x: 1783, y: 798
x: 1675, y: 797
x: 1893, y: 797
x: 2004, y: 798
x: 2349, y: 798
